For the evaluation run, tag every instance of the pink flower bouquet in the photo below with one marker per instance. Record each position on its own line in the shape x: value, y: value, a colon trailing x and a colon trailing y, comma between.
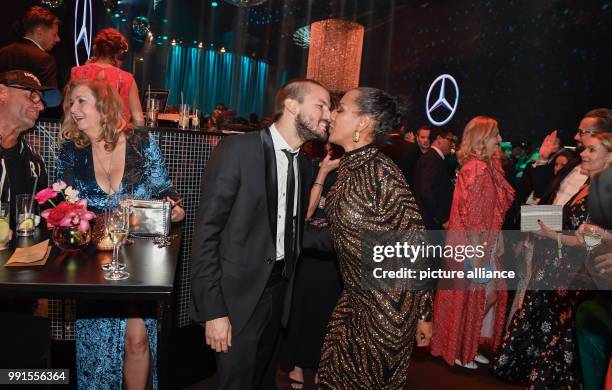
x: 68, y: 210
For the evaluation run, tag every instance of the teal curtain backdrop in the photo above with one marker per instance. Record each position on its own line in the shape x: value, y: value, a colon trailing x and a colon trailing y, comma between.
x: 208, y: 78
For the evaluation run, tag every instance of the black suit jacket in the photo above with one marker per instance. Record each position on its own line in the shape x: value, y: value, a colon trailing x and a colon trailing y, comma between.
x: 25, y: 55
x: 234, y: 242
x: 408, y: 160
x: 433, y: 189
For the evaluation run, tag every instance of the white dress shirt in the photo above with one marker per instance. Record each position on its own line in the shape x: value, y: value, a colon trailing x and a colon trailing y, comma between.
x: 36, y: 43
x: 281, y: 174
x: 570, y: 186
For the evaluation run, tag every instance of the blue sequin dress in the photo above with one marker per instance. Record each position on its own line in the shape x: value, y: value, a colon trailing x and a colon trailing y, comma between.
x: 100, y: 326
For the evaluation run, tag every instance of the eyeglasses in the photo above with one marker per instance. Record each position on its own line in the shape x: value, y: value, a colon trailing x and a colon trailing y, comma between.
x: 586, y: 132
x: 35, y: 95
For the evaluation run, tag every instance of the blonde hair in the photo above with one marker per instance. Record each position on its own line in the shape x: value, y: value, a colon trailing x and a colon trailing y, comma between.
x: 108, y: 105
x: 605, y: 139
x: 473, y: 141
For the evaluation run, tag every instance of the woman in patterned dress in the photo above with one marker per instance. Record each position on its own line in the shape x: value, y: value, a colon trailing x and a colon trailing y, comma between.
x: 371, y: 331
x: 468, y: 315
x: 540, y: 347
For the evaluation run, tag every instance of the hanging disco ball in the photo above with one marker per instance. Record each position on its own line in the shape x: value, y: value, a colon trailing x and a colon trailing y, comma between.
x: 245, y: 3
x: 141, y: 28
x: 301, y: 37
x: 52, y: 3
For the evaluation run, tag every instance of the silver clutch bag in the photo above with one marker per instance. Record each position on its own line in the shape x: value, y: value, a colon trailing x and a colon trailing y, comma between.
x: 150, y: 217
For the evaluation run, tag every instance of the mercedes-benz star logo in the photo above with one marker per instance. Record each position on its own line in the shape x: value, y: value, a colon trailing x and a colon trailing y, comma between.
x: 441, y: 104
x: 82, y: 28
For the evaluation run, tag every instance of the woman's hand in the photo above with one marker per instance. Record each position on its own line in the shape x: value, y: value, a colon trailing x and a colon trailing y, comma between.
x: 545, y: 231
x: 603, y: 264
x: 423, y: 333
x: 178, y: 213
x: 589, y: 228
x: 327, y: 164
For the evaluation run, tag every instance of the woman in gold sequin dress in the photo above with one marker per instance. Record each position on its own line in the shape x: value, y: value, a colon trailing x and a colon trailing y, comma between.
x: 371, y: 332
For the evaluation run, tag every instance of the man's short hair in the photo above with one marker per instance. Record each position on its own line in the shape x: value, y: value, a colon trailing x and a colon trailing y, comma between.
x: 603, y: 119
x: 37, y: 16
x: 439, y: 132
x: 295, y: 89
x: 424, y: 127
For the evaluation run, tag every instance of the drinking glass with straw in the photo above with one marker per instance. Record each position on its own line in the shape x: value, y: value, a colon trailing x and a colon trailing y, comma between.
x: 25, y: 212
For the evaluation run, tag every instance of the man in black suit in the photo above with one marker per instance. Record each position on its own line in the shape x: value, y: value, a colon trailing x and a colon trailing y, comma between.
x: 248, y: 234
x: 31, y: 53
x: 411, y: 152
x: 563, y: 186
x: 432, y: 181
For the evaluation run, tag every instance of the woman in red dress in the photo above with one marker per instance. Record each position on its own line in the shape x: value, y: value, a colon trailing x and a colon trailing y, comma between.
x: 110, y: 48
x: 469, y: 314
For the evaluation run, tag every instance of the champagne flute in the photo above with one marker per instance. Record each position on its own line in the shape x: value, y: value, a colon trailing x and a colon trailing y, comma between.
x: 109, y: 267
x: 592, y: 238
x: 118, y: 229
x: 127, y: 201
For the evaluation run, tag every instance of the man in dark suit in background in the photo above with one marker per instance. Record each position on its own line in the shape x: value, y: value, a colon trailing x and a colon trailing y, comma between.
x: 394, y: 145
x: 248, y: 235
x: 432, y: 181
x: 411, y: 153
x: 31, y: 53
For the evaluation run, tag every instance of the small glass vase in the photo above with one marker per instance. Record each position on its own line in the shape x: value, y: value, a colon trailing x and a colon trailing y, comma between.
x: 70, y: 238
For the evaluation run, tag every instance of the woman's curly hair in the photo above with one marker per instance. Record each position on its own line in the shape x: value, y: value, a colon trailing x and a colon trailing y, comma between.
x: 387, y: 112
x: 108, y: 105
x: 109, y: 43
x: 473, y: 141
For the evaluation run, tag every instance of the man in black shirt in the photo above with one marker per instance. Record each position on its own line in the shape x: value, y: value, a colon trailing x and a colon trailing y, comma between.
x: 22, y: 97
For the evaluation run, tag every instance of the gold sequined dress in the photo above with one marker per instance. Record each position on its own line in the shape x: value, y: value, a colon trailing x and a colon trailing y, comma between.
x: 371, y: 333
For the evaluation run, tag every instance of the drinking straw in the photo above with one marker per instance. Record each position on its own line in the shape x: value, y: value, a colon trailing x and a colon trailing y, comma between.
x: 33, y: 193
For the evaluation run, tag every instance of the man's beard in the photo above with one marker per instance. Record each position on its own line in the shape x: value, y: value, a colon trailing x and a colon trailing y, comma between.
x: 307, y: 131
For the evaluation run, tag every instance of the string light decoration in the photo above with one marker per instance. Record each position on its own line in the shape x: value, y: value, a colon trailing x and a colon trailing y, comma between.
x: 301, y: 37
x: 334, y: 57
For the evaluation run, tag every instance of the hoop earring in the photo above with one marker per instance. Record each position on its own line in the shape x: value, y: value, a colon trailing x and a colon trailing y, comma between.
x: 356, y: 136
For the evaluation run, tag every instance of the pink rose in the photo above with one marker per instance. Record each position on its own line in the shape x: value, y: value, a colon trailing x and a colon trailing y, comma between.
x: 60, y: 185
x: 43, y: 196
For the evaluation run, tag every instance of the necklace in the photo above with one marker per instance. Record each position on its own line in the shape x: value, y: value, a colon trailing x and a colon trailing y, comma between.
x: 107, y: 171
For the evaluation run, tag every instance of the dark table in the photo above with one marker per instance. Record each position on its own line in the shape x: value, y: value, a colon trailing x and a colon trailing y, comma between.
x: 77, y: 275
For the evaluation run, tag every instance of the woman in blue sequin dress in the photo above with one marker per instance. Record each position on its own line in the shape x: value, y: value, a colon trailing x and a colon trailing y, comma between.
x: 103, y: 157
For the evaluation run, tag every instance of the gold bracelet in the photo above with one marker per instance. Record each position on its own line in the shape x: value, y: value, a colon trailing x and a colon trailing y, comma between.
x: 318, y: 184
